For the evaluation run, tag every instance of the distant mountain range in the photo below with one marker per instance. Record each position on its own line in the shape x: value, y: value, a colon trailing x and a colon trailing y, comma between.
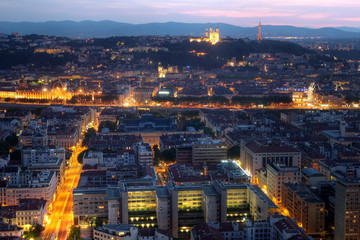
x: 349, y: 29
x: 90, y: 29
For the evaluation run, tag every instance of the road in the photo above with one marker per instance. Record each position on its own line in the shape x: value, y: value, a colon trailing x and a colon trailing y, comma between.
x: 4, y: 105
x: 61, y: 217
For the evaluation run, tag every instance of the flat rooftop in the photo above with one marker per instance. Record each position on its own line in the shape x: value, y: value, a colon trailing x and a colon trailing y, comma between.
x: 209, y: 190
x: 162, y: 192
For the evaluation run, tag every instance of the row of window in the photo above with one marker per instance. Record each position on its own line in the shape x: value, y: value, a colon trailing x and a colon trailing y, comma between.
x: 26, y: 213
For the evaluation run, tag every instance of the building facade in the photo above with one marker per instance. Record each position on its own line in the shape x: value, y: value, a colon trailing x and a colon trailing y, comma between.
x: 179, y: 208
x: 347, y: 212
x: 305, y: 207
x: 255, y: 156
x: 208, y: 151
x: 276, y: 175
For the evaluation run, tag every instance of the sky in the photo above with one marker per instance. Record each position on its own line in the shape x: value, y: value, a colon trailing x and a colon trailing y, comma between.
x: 307, y: 13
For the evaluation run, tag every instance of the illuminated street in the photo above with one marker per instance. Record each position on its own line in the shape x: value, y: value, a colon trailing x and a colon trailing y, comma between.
x: 60, y: 220
x: 167, y: 105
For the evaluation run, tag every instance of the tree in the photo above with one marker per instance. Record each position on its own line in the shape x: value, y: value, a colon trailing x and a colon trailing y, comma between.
x: 4, y: 147
x: 74, y: 233
x: 34, y: 232
x: 195, y: 123
x: 352, y: 99
x: 16, y: 154
x: 234, y: 153
x: 98, y: 222
x: 109, y: 98
x: 107, y: 124
x: 195, y: 100
x: 266, y: 100
x: 168, y: 155
x: 190, y: 114
x: 89, y: 134
x: 80, y: 156
x: 12, y: 140
x: 37, y: 112
x: 156, y: 154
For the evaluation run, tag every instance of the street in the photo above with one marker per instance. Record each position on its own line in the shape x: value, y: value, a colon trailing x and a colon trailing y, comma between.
x: 61, y: 218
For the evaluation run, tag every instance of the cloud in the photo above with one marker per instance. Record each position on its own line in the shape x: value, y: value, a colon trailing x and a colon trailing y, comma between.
x: 353, y: 19
x: 314, y: 16
x: 236, y: 14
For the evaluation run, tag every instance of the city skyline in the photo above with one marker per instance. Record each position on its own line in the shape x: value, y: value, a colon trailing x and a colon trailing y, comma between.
x: 217, y: 121
x: 297, y: 13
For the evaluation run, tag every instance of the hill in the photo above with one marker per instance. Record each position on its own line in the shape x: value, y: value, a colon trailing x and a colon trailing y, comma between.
x: 90, y: 29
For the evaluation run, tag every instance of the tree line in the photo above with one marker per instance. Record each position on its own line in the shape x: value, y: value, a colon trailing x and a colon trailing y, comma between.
x: 242, y: 100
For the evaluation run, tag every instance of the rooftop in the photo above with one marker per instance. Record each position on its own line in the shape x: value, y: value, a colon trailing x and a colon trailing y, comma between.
x: 209, y: 190
x: 94, y: 190
x: 259, y: 148
x: 286, y: 224
x: 31, y: 204
x: 349, y: 180
x: 4, y: 227
x: 116, y: 227
x: 304, y: 192
x: 205, y: 232
x: 311, y: 172
x: 162, y: 192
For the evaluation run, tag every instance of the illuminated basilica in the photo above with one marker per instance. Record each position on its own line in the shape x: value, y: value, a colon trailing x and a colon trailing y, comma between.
x: 213, y: 37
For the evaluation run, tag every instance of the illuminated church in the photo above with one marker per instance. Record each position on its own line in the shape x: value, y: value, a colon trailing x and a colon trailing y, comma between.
x: 211, y: 36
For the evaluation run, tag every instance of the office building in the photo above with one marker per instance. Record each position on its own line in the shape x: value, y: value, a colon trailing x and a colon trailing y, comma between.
x: 89, y: 203
x: 255, y: 156
x: 179, y: 208
x: 209, y: 151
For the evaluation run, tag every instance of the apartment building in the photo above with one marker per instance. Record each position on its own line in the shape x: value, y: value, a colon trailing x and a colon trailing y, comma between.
x: 347, y: 212
x: 276, y: 175
x: 305, y: 207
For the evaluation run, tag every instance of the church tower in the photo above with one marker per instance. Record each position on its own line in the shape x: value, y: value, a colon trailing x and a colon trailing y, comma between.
x: 259, y: 33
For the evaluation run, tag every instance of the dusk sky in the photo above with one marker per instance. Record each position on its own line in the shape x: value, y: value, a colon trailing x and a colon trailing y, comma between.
x: 309, y: 13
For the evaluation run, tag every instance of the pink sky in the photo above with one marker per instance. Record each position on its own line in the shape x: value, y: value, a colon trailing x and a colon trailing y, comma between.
x: 308, y: 13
